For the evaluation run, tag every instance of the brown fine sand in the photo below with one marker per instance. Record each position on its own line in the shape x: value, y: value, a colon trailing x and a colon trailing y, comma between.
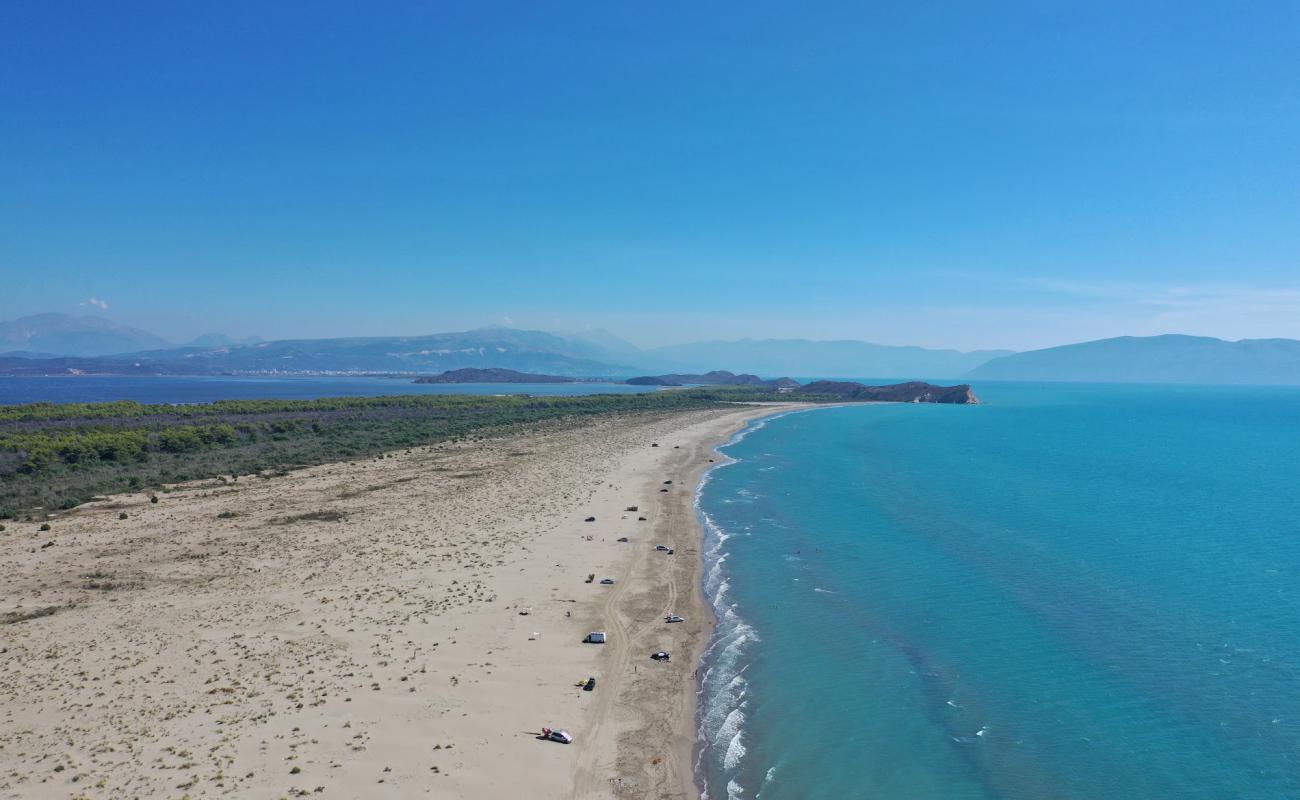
x: 238, y: 639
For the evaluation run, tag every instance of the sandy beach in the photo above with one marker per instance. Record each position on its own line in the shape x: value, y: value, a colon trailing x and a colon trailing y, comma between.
x: 393, y: 627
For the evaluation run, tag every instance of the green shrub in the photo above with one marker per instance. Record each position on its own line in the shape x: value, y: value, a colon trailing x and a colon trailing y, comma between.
x: 179, y: 440
x: 55, y: 456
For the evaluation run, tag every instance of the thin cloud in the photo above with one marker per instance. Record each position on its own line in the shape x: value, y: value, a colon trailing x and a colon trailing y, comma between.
x: 102, y: 305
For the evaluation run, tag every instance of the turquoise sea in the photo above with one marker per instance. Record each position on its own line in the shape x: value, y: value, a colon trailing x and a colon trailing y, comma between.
x: 1071, y: 591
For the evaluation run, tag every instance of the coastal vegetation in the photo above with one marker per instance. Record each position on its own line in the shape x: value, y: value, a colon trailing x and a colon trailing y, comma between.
x: 55, y: 456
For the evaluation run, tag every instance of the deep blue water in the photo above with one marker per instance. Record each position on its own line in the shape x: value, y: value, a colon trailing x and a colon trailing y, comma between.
x: 1069, y: 592
x: 95, y: 389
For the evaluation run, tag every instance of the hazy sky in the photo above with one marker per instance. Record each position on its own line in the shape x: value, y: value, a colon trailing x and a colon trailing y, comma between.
x: 944, y: 174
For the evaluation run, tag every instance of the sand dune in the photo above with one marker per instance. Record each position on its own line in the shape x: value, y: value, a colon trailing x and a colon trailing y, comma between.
x: 358, y: 629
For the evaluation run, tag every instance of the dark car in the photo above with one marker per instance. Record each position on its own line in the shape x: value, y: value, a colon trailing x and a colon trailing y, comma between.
x: 589, y: 685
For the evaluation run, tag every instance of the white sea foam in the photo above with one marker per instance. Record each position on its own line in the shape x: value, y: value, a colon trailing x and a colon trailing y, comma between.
x: 732, y: 733
x: 735, y: 752
x: 723, y: 688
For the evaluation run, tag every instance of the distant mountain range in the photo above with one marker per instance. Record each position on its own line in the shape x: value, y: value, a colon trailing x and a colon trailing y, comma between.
x: 221, y: 340
x: 589, y: 353
x: 525, y: 351
x: 60, y: 344
x: 53, y: 335
x: 834, y: 358
x: 1154, y: 359
x: 68, y: 335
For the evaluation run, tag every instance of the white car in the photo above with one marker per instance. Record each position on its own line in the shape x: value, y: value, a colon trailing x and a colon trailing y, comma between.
x: 674, y: 618
x: 607, y: 581
x: 563, y: 737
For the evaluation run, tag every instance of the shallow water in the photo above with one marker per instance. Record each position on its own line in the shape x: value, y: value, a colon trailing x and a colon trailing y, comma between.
x: 1069, y: 592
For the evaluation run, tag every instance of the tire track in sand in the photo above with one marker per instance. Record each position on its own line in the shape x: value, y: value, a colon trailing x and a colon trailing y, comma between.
x: 630, y: 618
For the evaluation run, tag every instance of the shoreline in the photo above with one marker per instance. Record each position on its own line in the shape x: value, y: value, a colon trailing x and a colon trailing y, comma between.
x: 672, y: 716
x: 702, y: 647
x: 387, y: 627
x: 750, y: 425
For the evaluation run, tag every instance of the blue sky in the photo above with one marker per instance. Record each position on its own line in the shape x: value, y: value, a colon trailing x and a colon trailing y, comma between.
x: 944, y: 174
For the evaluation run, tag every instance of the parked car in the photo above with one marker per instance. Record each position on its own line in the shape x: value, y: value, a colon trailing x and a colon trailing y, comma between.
x: 662, y: 548
x: 563, y: 737
x: 607, y: 581
x: 674, y: 618
x: 590, y: 685
x: 622, y: 538
x: 595, y: 637
x: 662, y: 655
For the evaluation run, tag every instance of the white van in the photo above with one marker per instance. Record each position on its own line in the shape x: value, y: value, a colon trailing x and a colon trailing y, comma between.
x: 595, y: 637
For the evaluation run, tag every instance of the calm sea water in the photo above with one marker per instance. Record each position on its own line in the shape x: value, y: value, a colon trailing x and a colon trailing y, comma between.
x: 96, y: 389
x: 1070, y: 592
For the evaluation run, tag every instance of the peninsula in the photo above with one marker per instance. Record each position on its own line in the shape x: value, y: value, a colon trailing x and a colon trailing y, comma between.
x: 909, y: 392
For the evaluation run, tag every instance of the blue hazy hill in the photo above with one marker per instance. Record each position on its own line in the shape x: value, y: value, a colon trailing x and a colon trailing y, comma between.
x: 69, y: 335
x: 526, y: 351
x: 1171, y: 358
x: 839, y: 358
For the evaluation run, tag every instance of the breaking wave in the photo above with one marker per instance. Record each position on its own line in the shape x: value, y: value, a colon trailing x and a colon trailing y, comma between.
x: 722, y: 689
